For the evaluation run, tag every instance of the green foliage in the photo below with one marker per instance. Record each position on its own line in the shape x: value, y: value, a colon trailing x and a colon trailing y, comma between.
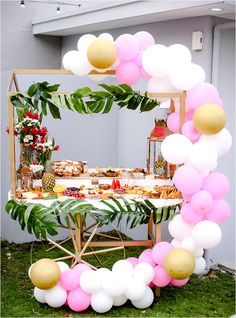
x: 36, y: 218
x: 40, y: 220
x: 84, y: 101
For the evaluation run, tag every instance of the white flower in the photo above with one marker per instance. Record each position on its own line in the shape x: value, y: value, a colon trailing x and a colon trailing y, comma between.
x: 31, y: 137
x: 25, y: 139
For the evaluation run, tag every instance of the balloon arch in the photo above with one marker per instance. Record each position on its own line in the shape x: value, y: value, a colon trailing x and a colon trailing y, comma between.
x: 203, y: 140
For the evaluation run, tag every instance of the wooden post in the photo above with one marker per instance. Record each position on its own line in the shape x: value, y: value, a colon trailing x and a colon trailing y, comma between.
x: 78, y: 231
x: 12, y: 149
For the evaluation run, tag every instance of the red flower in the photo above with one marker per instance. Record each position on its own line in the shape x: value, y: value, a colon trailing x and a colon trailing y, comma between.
x: 56, y: 148
x: 40, y: 147
x: 34, y: 163
x: 42, y: 140
x: 33, y: 145
x: 28, y: 114
x: 43, y: 131
x: 36, y: 116
x: 34, y: 131
x: 25, y: 130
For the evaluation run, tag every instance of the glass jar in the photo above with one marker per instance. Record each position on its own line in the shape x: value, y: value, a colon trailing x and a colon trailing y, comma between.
x: 27, y: 154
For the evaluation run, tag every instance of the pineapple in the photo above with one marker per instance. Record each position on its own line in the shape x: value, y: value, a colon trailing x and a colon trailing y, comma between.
x: 48, y: 180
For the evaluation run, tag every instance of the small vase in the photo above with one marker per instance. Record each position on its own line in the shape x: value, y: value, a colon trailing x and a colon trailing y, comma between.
x: 27, y: 154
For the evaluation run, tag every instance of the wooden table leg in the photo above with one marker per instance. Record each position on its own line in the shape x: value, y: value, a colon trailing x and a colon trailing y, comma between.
x: 78, y: 232
x: 158, y: 239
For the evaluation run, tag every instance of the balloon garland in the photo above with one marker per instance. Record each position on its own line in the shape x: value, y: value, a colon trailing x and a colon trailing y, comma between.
x: 197, y: 149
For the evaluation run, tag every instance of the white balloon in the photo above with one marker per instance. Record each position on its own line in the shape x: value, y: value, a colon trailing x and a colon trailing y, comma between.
x: 146, y: 300
x: 179, y: 229
x: 106, y: 36
x: 119, y: 300
x: 136, y: 289
x: 160, y: 85
x: 144, y: 272
x: 81, y: 66
x: 200, y: 265
x: 176, y: 148
x: 70, y: 59
x: 203, y: 155
x: 103, y: 272
x: 207, y: 234
x: 84, y: 42
x: 100, y: 302
x: 90, y: 281
x: 179, y: 54
x: 155, y: 60
x: 186, y: 76
x: 222, y: 141
x: 123, y: 268
x: 39, y: 295
x: 63, y: 266
x: 189, y: 244
x: 56, y: 296
x: 199, y: 252
x: 29, y: 271
x: 175, y: 243
x: 114, y: 284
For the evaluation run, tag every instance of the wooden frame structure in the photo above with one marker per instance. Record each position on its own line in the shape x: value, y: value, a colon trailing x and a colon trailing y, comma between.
x: 77, y: 234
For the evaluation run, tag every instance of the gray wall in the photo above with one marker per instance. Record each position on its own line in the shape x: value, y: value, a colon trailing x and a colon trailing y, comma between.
x: 19, y: 49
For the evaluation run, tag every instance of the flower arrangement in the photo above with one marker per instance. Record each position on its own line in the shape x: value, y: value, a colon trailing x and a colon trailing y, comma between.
x: 44, y: 150
x: 32, y: 136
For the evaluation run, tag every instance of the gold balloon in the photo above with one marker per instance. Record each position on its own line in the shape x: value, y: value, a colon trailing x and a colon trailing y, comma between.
x: 209, y: 119
x: 179, y: 263
x: 101, y: 53
x: 45, y: 273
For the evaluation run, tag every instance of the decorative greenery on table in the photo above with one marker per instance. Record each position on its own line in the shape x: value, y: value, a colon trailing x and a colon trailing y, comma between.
x: 41, y: 220
x: 83, y: 100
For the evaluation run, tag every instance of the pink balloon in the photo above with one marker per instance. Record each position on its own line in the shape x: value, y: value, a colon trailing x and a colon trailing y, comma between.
x: 159, y: 252
x: 147, y: 250
x: 144, y: 73
x: 219, y: 212
x: 189, y: 215
x: 138, y: 59
x: 133, y: 260
x: 128, y: 73
x: 179, y: 282
x: 202, y: 201
x: 200, y: 94
x: 187, y: 179
x: 190, y: 131
x: 189, y: 115
x: 78, y: 300
x: 145, y: 39
x: 186, y: 197
x: 66, y: 303
x: 173, y: 122
x: 147, y: 258
x: 127, y: 47
x: 80, y: 268
x: 217, y: 184
x: 161, y: 278
x: 69, y: 279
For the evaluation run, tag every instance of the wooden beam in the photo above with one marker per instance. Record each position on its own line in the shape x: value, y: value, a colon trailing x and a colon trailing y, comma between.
x: 59, y: 72
x: 119, y: 243
x: 12, y: 148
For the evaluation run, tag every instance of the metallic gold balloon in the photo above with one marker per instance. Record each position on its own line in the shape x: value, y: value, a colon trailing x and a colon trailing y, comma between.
x: 101, y: 53
x: 45, y: 273
x: 209, y: 119
x: 179, y: 263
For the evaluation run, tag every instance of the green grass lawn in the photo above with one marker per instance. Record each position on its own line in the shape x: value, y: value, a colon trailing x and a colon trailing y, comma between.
x: 208, y: 296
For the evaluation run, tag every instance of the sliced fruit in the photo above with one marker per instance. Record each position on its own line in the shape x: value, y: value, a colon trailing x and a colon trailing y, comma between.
x: 59, y: 188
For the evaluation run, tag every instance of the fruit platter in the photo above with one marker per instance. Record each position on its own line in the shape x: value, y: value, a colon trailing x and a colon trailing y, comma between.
x: 103, y: 191
x: 76, y: 169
